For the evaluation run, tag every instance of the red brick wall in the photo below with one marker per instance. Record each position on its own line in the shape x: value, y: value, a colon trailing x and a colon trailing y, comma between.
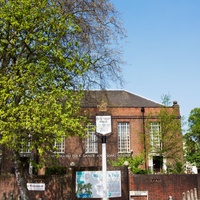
x: 57, y: 187
x: 8, y: 186
x: 160, y: 187
x: 75, y: 148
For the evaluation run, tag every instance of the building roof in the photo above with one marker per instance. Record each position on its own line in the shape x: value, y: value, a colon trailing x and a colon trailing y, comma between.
x: 115, y: 98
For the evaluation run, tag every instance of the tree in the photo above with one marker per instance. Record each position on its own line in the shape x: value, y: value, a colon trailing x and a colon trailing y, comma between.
x: 134, y: 163
x: 192, y: 138
x: 164, y: 136
x: 166, y: 99
x: 39, y: 70
x: 101, y: 30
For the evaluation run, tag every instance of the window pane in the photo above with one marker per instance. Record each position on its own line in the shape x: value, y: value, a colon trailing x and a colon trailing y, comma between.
x: 155, y: 135
x: 91, y: 141
x: 123, y: 137
x: 25, y: 146
x: 60, y: 145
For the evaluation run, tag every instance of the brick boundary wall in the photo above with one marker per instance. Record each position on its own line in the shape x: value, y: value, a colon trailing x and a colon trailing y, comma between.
x: 160, y: 187
x: 57, y: 187
x: 8, y: 186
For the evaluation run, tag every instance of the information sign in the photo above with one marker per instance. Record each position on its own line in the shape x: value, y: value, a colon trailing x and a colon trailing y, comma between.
x: 36, y: 186
x: 89, y: 184
x: 103, y: 124
x: 139, y: 193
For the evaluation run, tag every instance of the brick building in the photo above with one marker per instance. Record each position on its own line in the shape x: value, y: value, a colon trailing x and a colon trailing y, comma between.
x: 134, y: 124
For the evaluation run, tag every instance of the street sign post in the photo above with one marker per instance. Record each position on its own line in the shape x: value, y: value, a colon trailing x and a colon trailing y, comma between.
x: 103, y: 127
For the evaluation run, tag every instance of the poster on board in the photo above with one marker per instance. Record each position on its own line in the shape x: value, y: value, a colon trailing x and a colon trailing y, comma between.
x: 89, y: 184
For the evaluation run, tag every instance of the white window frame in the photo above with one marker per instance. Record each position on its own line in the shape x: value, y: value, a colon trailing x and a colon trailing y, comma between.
x: 60, y: 145
x: 26, y: 144
x: 91, y: 140
x: 155, y: 135
x: 26, y: 147
x: 123, y: 129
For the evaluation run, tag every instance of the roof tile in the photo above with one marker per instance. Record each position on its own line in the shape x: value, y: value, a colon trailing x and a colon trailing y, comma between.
x: 116, y: 98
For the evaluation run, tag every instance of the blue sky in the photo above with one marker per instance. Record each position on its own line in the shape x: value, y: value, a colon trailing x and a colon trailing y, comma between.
x: 162, y: 50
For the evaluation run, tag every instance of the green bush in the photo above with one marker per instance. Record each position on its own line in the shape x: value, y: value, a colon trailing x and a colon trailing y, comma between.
x: 134, y: 163
x: 56, y: 170
x: 177, y: 168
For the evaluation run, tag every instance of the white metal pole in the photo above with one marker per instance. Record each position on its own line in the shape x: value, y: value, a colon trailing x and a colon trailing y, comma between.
x: 104, y: 167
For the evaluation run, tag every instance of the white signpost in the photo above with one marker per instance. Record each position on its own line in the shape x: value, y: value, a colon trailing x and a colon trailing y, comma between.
x: 103, y: 127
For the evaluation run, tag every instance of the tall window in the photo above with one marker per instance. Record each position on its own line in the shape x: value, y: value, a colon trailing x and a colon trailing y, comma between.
x: 91, y: 141
x: 60, y: 145
x: 25, y: 146
x: 123, y: 137
x: 155, y: 136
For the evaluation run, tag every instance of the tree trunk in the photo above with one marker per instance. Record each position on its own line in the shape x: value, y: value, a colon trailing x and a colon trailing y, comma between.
x: 20, y: 181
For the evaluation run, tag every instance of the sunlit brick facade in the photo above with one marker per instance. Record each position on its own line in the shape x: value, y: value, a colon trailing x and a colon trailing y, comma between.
x: 129, y: 114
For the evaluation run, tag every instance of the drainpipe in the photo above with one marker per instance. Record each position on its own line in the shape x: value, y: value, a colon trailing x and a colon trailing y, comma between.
x: 143, y: 126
